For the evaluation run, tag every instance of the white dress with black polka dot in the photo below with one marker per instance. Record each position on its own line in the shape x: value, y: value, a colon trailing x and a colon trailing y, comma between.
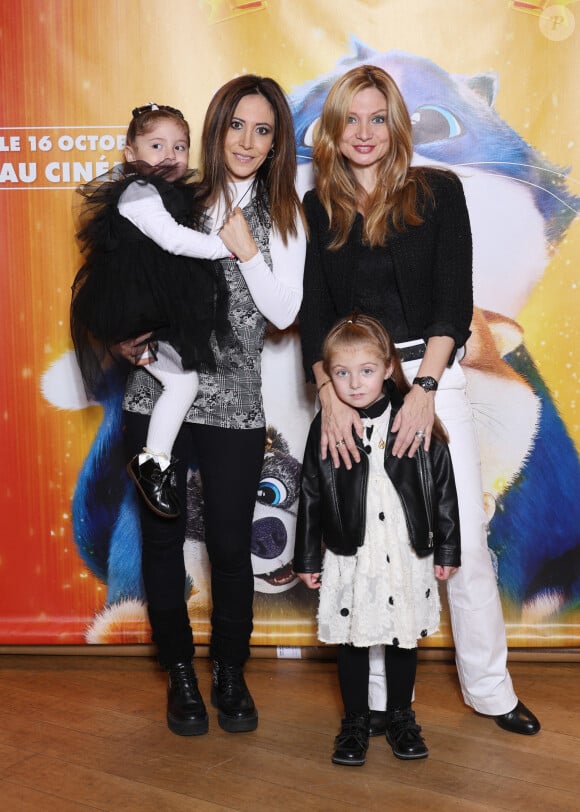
x: 385, y: 594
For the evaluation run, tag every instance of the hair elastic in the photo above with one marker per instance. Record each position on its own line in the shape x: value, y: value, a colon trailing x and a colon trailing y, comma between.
x: 151, y: 107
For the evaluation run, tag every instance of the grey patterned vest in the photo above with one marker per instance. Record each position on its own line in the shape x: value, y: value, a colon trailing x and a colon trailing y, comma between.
x: 231, y: 395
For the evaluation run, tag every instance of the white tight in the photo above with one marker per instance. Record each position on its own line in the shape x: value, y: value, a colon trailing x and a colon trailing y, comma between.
x: 179, y: 391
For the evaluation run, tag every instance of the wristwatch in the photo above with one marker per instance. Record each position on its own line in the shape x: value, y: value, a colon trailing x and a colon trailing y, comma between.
x: 427, y: 383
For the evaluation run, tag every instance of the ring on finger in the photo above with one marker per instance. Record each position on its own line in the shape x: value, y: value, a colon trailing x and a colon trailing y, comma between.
x: 420, y: 435
x: 340, y: 442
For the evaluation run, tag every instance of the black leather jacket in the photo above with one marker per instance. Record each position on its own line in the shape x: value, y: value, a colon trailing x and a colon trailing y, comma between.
x: 333, y: 500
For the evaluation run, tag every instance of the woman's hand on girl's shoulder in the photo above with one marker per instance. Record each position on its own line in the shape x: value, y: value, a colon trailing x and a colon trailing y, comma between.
x: 414, y: 422
x: 337, y: 423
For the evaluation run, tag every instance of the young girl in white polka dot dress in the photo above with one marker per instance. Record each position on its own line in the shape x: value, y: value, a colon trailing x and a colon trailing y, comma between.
x: 390, y: 527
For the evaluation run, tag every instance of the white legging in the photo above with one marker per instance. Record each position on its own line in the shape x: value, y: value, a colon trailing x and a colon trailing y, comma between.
x: 472, y: 592
x: 179, y: 391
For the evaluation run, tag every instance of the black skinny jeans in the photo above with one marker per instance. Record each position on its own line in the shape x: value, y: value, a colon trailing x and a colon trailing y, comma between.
x: 230, y: 463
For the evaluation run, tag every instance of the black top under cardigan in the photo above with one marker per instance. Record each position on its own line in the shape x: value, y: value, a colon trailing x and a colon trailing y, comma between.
x: 432, y: 262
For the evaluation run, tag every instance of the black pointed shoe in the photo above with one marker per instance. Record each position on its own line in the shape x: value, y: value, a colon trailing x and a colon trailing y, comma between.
x: 404, y: 734
x: 351, y: 744
x: 378, y: 723
x: 230, y: 695
x: 186, y: 713
x: 155, y: 486
x: 519, y: 720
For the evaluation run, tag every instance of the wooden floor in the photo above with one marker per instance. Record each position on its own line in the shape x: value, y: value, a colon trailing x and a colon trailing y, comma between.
x: 89, y: 733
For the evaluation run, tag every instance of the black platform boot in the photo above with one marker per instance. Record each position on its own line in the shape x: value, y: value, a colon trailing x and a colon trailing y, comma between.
x: 155, y: 486
x: 351, y: 744
x: 186, y: 713
x: 404, y: 734
x: 230, y: 695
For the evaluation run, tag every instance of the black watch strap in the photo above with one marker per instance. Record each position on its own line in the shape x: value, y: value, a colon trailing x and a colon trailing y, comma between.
x: 427, y: 383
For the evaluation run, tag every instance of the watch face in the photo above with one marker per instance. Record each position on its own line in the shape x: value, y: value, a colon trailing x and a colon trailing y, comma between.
x: 427, y: 383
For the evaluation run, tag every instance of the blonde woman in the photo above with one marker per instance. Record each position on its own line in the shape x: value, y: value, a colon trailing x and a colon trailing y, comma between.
x: 394, y: 241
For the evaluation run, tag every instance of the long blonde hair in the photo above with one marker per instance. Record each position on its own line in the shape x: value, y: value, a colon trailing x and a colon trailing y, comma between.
x: 396, y: 200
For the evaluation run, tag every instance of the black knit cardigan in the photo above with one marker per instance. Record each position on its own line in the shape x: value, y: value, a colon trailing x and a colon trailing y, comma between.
x: 433, y: 267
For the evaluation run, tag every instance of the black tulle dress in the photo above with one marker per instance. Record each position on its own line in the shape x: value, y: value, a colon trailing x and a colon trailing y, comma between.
x: 128, y: 285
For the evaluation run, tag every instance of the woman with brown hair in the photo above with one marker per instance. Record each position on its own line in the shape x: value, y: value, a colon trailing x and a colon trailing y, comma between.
x: 248, y: 195
x: 394, y: 241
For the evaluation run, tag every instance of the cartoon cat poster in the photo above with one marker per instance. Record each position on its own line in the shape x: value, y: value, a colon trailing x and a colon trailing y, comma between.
x: 498, y: 110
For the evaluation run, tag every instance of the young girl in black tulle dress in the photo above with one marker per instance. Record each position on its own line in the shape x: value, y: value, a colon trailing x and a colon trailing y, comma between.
x: 147, y: 272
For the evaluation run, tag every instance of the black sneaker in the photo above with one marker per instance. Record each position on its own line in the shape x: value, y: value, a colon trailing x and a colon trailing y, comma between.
x: 186, y: 713
x: 351, y: 744
x: 155, y: 486
x: 230, y: 695
x: 404, y: 734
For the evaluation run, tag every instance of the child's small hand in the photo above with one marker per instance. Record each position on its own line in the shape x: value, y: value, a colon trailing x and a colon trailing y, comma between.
x: 136, y: 350
x: 311, y: 579
x: 444, y: 573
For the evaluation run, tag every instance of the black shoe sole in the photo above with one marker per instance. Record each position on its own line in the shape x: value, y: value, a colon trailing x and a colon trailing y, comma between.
x: 348, y: 762
x: 405, y: 756
x: 149, y: 504
x: 237, y: 725
x: 188, y: 727
x: 410, y: 758
x: 233, y: 724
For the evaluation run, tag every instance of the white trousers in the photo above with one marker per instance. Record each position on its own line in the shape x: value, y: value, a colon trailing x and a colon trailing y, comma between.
x: 472, y: 592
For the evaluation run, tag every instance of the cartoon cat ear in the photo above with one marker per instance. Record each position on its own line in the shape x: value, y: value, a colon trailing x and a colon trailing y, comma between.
x: 485, y: 85
x: 362, y: 52
x: 507, y: 333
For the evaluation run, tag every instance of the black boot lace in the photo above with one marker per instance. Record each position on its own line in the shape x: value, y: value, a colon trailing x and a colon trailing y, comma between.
x: 354, y: 732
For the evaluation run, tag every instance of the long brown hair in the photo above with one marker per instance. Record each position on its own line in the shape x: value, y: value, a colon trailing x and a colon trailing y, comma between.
x: 358, y: 330
x: 396, y: 199
x: 275, y: 179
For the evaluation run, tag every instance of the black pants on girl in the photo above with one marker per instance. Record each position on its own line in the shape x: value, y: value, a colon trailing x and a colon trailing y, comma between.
x: 353, y: 676
x: 230, y: 462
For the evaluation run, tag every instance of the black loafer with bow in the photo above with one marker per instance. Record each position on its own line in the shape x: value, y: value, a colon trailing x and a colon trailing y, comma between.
x: 155, y: 486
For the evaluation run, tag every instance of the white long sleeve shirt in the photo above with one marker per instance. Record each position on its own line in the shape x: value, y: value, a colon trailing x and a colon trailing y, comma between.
x: 142, y: 205
x: 277, y: 293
